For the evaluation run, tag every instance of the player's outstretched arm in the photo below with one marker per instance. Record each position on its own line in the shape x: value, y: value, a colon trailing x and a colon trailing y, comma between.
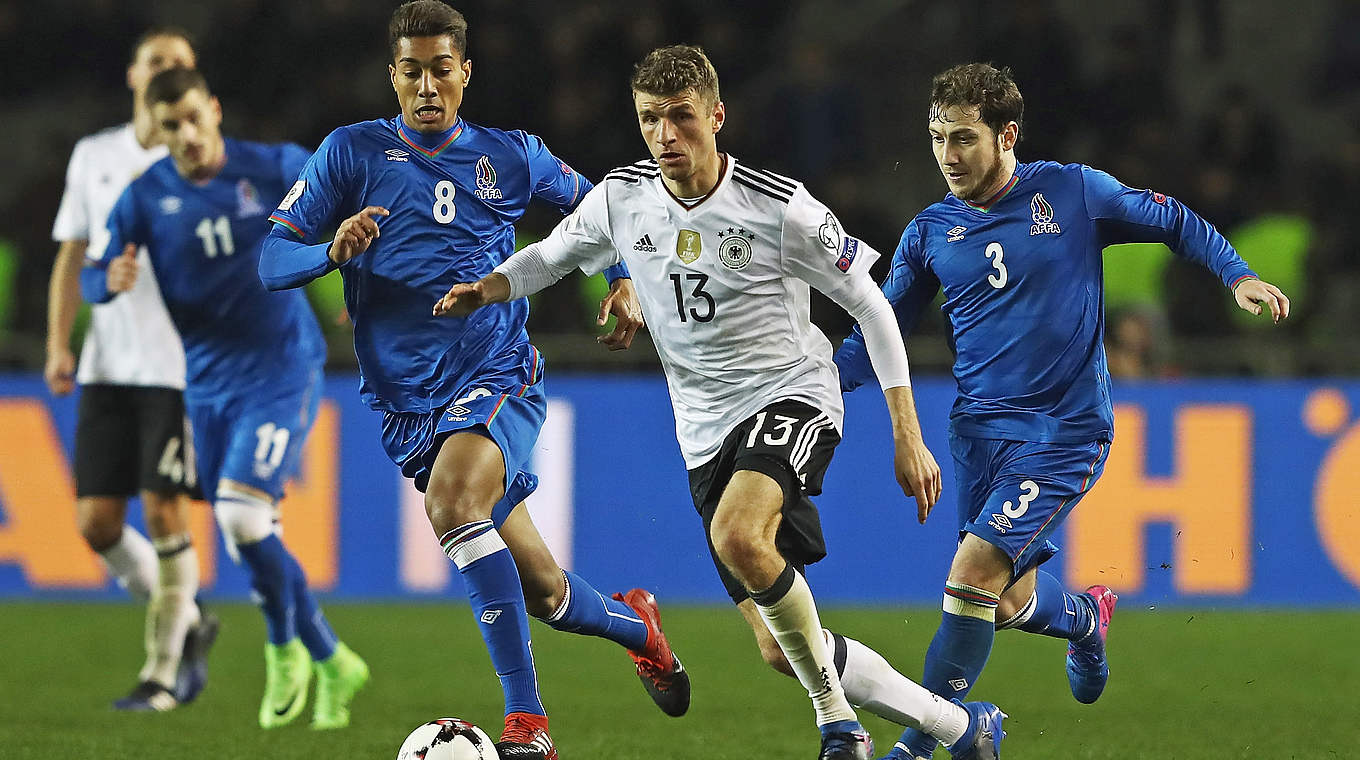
x: 622, y: 302
x: 467, y: 297
x: 1255, y: 295
x: 917, y: 471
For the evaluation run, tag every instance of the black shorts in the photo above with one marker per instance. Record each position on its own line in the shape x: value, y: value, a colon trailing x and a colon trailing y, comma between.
x: 130, y: 439
x: 792, y: 442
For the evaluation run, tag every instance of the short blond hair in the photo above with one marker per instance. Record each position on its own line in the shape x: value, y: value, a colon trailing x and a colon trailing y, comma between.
x: 669, y: 71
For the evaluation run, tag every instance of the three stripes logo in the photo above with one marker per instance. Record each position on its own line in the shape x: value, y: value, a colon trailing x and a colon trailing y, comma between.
x: 1042, y: 214
x: 644, y: 244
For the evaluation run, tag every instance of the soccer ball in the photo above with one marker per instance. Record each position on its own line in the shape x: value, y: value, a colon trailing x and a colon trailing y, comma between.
x: 447, y: 739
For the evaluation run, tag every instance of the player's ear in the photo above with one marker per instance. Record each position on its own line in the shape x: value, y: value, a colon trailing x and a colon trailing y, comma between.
x: 217, y: 109
x: 1010, y: 135
x: 130, y: 86
x: 467, y: 71
x: 719, y: 116
x: 392, y: 75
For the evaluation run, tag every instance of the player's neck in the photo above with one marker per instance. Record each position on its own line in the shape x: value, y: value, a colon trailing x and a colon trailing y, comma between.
x: 430, y: 139
x: 700, y: 183
x: 1003, y: 179
x: 206, y: 172
x: 143, y: 128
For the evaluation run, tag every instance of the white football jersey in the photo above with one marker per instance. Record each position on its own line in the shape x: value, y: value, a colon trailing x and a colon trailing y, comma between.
x: 724, y: 289
x: 131, y: 340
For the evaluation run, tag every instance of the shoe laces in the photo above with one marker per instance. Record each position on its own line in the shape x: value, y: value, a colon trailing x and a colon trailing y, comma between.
x: 521, y: 730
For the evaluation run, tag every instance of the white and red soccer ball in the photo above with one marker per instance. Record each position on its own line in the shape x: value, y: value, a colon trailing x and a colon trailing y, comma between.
x: 447, y: 739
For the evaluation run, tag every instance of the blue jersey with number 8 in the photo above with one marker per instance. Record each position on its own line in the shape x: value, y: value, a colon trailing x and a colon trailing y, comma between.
x: 454, y: 198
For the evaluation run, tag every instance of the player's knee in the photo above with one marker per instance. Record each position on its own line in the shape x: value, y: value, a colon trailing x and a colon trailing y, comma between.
x: 737, y: 545
x: 100, y: 527
x: 450, y: 502
x: 244, y: 518
x: 162, y: 513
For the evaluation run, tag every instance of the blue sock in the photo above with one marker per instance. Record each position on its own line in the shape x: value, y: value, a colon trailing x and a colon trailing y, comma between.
x: 493, y: 587
x: 587, y: 611
x: 840, y: 727
x: 958, y: 652
x: 313, y: 628
x: 271, y: 575
x: 1051, y: 611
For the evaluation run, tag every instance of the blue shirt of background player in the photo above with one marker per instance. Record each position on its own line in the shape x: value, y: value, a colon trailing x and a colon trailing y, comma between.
x: 204, y: 242
x: 1023, y: 291
x: 454, y: 198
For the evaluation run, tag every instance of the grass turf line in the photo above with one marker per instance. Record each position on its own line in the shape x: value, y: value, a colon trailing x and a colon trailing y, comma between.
x: 1185, y: 684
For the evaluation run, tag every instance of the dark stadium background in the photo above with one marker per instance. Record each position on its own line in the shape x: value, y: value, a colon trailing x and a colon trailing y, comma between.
x: 1248, y: 111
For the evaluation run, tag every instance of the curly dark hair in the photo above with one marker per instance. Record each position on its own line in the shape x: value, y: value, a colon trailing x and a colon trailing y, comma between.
x: 427, y: 18
x: 982, y: 86
x: 671, y: 70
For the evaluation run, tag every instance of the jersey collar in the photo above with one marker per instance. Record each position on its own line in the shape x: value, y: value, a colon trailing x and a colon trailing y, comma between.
x: 723, y: 171
x: 986, y: 206
x: 429, y: 145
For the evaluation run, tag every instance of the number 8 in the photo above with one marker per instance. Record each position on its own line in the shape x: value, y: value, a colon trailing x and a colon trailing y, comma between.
x: 444, y: 210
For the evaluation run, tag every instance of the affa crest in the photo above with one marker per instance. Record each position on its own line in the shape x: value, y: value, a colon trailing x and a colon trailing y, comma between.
x: 1042, y: 213
x: 688, y: 246
x: 486, y: 180
x: 247, y: 200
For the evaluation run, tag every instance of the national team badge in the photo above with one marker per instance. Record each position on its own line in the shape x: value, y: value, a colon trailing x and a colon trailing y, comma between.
x: 171, y: 204
x: 688, y: 246
x: 247, y: 200
x: 734, y: 250
x: 1042, y: 213
x: 486, y: 180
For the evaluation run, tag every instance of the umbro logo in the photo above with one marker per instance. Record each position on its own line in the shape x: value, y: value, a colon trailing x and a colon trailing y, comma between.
x: 490, y: 616
x: 1000, y: 523
x: 955, y: 235
x: 958, y: 684
x: 644, y: 244
x: 397, y: 154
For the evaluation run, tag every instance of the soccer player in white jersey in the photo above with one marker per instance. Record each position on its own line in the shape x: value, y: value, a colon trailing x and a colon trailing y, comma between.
x: 722, y: 256
x: 130, y: 433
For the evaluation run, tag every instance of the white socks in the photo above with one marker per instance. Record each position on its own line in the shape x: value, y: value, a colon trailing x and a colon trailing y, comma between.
x: 132, y: 563
x: 790, y: 613
x: 172, y: 611
x: 873, y: 684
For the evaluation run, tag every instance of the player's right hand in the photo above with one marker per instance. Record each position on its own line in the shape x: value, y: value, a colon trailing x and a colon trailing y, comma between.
x: 918, y: 474
x: 355, y: 234
x: 123, y: 270
x: 461, y: 300
x: 60, y: 371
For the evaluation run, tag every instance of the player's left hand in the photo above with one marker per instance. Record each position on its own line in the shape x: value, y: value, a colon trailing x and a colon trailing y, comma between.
x: 918, y: 474
x: 1256, y: 295
x: 467, y: 297
x: 622, y: 302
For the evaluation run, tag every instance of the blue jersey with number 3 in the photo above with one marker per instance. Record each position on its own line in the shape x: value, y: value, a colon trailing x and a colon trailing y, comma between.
x: 204, y: 243
x: 1024, y: 295
x: 454, y: 198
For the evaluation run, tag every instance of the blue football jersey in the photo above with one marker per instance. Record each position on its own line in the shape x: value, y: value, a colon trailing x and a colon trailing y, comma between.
x: 454, y: 198
x: 204, y: 243
x: 1024, y: 294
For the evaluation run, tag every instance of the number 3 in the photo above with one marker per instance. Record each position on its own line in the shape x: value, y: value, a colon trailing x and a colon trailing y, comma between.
x: 997, y: 280
x: 1029, y: 492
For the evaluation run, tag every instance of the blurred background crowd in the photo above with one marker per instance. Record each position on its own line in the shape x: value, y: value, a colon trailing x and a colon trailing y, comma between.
x: 1247, y: 111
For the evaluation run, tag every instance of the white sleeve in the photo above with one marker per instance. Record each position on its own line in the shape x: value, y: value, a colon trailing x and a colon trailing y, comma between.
x: 817, y: 251
x: 73, y: 220
x: 581, y: 241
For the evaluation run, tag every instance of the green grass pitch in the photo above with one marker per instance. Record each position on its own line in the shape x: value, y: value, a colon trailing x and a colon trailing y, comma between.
x: 1186, y: 684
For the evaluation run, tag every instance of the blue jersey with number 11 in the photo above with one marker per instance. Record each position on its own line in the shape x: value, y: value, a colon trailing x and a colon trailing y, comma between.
x: 454, y: 198
x: 1024, y: 294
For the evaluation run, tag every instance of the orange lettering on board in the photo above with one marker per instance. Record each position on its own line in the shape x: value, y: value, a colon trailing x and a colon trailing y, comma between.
x: 1206, y: 501
x: 1337, y: 504
x: 39, y: 501
x: 309, y: 510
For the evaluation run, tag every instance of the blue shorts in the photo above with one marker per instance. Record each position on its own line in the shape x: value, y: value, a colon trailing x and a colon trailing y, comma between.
x: 253, y: 439
x: 1015, y: 494
x: 505, y: 401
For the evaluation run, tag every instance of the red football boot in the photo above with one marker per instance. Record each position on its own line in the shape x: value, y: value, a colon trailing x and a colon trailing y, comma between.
x: 662, y: 675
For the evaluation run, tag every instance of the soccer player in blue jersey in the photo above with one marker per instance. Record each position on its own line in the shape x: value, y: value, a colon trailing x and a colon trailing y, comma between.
x: 1016, y: 248
x: 420, y: 201
x: 253, y: 365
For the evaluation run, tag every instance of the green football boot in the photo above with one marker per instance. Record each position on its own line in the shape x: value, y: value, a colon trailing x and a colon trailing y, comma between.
x: 338, y: 679
x: 288, y: 670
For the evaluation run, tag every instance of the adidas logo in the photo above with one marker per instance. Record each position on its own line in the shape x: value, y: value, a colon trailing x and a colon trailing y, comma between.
x: 644, y: 244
